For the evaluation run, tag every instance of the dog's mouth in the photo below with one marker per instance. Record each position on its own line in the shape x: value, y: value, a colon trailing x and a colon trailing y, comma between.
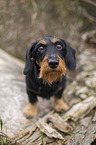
x: 53, y: 71
x: 51, y: 76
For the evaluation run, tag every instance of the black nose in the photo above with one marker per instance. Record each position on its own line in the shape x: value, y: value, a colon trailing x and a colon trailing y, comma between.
x: 53, y: 63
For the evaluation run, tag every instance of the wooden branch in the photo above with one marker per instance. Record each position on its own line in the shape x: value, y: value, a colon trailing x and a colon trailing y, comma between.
x: 91, y: 18
x: 75, y: 113
x: 48, y: 130
x: 90, y: 2
x: 80, y: 109
x: 59, y: 123
x: 88, y: 16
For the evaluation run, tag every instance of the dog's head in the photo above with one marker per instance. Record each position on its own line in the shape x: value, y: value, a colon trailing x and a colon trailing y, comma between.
x: 51, y: 55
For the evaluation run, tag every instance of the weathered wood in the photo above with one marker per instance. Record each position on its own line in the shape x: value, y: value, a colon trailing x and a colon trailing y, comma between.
x: 59, y: 123
x: 82, y: 136
x: 94, y: 117
x: 25, y: 135
x: 76, y: 126
x: 13, y: 97
x: 80, y: 109
x: 48, y: 130
x: 75, y: 113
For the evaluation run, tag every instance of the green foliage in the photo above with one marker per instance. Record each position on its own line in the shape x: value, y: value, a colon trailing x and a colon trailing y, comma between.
x: 2, y: 134
x: 1, y: 139
x: 1, y: 123
x: 42, y: 139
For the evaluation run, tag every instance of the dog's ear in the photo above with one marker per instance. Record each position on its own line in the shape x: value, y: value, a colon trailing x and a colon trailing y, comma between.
x: 70, y: 59
x: 29, y: 59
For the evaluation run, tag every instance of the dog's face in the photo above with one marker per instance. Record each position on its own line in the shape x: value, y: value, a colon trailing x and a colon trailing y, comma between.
x: 52, y: 55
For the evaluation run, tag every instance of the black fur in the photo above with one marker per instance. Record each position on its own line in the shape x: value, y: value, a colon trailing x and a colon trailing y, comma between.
x: 34, y: 85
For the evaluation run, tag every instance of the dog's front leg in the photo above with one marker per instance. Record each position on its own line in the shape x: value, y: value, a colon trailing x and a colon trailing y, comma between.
x: 59, y: 104
x: 31, y: 108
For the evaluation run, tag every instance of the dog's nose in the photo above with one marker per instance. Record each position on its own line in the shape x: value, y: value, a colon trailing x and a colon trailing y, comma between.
x: 53, y: 63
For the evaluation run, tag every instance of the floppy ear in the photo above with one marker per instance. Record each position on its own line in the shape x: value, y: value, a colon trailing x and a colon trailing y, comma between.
x: 70, y: 59
x: 29, y: 59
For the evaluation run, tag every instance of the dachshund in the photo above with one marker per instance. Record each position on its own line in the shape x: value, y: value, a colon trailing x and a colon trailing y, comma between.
x: 45, y: 70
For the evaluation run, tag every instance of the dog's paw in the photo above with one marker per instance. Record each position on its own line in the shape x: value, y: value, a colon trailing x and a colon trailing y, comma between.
x: 60, y: 106
x: 30, y: 110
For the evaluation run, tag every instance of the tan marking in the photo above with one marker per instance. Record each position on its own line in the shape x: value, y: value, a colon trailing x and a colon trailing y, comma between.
x: 30, y: 110
x: 60, y: 105
x: 37, y: 62
x: 54, y: 40
x: 50, y: 75
x: 42, y: 41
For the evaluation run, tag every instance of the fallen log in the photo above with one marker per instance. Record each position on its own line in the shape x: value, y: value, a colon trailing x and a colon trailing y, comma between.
x: 76, y: 126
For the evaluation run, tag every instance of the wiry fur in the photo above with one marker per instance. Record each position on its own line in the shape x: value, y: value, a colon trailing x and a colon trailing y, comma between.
x: 50, y: 75
x: 44, y: 79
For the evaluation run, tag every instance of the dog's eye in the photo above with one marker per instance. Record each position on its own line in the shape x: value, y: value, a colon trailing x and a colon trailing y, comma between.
x: 59, y: 46
x: 41, y: 48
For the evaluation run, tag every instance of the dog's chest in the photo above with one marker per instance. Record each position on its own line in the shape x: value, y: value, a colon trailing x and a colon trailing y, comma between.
x: 38, y: 87
x: 47, y: 91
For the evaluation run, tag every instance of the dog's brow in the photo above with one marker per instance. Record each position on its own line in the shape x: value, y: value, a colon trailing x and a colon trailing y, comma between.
x: 55, y: 40
x: 42, y: 41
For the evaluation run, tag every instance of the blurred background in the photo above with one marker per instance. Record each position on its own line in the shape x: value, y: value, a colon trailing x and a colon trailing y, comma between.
x: 24, y: 21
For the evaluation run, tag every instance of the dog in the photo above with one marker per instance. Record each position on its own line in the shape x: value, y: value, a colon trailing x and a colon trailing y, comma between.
x: 45, y: 70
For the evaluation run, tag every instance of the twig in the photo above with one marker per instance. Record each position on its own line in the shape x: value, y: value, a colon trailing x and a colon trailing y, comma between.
x: 90, y: 2
x: 91, y: 18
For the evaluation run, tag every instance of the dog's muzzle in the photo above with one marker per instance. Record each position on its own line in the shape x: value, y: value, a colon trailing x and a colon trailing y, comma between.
x: 53, y: 63
x: 52, y: 69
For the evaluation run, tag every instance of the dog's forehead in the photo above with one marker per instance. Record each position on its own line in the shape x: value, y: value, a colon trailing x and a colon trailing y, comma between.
x: 42, y: 41
x: 47, y: 40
